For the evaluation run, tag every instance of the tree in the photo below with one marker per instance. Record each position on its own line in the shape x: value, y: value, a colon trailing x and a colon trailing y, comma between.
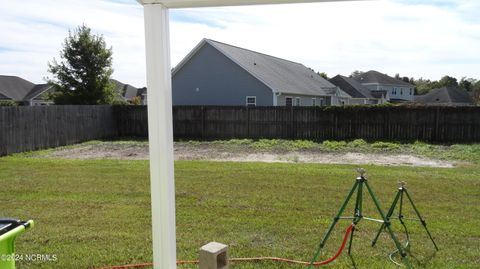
x: 83, y: 75
x: 448, y: 81
x: 476, y: 92
x: 136, y: 101
x: 323, y: 75
x: 467, y: 83
x: 423, y: 86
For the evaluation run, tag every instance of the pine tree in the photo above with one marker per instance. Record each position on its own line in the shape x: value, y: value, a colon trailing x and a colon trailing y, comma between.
x: 83, y: 75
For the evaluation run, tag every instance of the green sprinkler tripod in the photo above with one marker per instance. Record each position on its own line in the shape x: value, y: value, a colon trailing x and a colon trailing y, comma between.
x: 360, y: 182
x: 402, y: 192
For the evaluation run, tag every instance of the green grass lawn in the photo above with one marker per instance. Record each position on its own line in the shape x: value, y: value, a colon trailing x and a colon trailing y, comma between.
x: 96, y: 213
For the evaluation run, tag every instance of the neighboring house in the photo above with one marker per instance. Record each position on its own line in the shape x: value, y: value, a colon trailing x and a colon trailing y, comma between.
x: 142, y: 92
x: 23, y: 92
x: 339, y: 97
x: 26, y: 93
x: 215, y: 73
x: 127, y: 92
x: 446, y: 96
x: 38, y: 96
x: 3, y: 97
x: 360, y: 95
x: 398, y: 90
x: 382, y: 96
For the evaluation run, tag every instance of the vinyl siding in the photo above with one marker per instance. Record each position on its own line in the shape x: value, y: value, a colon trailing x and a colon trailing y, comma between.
x: 210, y: 78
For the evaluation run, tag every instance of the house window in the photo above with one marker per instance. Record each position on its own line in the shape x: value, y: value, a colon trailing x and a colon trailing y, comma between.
x: 322, y: 101
x: 251, y: 100
x: 288, y: 101
x: 297, y: 101
x: 401, y: 91
x: 314, y: 101
x: 411, y: 91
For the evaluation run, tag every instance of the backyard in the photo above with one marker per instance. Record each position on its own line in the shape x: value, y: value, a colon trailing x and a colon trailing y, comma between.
x: 95, y: 211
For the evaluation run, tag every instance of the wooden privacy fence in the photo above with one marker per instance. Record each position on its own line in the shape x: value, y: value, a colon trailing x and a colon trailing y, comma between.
x: 31, y: 128
x: 39, y: 127
x: 433, y: 124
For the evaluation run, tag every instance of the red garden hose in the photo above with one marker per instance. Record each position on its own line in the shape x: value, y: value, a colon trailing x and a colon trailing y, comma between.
x: 344, y: 242
x: 274, y: 259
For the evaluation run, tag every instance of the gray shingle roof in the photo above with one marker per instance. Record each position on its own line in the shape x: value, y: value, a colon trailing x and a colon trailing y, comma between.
x: 379, y: 78
x: 445, y: 96
x: 278, y: 74
x: 36, y: 91
x: 3, y: 97
x: 351, y: 86
x: 127, y: 91
x: 15, y: 88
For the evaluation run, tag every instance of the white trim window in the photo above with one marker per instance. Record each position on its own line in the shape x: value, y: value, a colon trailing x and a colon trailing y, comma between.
x: 251, y: 101
x: 314, y: 101
x: 297, y: 101
x: 288, y: 101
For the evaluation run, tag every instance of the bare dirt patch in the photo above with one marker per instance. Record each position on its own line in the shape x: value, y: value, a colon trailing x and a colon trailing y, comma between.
x: 212, y: 152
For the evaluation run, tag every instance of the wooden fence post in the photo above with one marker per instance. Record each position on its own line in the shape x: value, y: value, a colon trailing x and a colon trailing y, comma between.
x: 202, y: 109
x: 248, y: 122
x: 436, y: 132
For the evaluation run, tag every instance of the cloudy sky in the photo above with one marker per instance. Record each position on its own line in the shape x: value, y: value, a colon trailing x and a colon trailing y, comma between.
x: 419, y: 38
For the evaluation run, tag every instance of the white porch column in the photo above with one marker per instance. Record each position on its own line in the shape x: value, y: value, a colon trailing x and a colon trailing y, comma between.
x: 160, y: 134
x: 160, y: 121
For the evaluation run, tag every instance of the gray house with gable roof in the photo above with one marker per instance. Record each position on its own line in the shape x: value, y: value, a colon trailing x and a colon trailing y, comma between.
x: 397, y: 90
x: 13, y: 88
x: 215, y: 73
x: 360, y: 94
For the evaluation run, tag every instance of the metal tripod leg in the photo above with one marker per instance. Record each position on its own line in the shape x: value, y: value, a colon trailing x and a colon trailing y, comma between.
x: 389, y: 229
x: 357, y: 211
x: 420, y: 218
x: 389, y: 214
x: 335, y: 220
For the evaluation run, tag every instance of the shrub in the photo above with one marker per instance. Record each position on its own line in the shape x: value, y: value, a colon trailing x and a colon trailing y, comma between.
x: 136, y: 101
x: 385, y: 146
x: 334, y: 145
x: 265, y: 144
x: 301, y: 144
x: 8, y: 103
x: 239, y: 141
x: 358, y: 143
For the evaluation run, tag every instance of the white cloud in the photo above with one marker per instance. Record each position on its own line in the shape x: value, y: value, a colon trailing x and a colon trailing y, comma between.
x: 33, y: 32
x: 409, y: 37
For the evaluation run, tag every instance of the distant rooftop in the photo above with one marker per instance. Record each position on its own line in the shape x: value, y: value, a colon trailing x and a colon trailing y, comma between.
x: 379, y: 78
x: 14, y: 87
x: 446, y: 96
x: 351, y: 86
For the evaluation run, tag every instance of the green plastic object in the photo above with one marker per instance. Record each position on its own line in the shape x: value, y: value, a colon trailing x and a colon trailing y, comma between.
x: 7, y: 245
